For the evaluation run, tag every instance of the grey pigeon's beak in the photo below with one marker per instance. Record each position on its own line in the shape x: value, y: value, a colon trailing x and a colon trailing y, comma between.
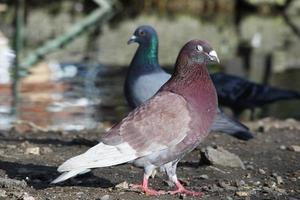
x: 213, y: 56
x: 132, y: 39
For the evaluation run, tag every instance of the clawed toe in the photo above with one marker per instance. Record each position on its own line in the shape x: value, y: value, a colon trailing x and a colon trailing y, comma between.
x: 187, y: 192
x: 147, y: 190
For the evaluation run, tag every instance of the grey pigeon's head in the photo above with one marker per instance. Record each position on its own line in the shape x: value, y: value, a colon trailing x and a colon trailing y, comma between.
x: 144, y: 35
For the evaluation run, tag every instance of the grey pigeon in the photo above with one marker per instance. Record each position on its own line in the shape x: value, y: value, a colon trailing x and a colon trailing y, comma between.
x: 163, y: 129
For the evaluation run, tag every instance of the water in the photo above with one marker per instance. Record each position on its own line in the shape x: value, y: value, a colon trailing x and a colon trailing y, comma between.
x: 75, y: 96
x: 78, y: 96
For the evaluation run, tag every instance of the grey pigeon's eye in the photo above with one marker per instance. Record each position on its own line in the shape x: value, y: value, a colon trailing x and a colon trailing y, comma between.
x: 142, y: 33
x: 199, y: 48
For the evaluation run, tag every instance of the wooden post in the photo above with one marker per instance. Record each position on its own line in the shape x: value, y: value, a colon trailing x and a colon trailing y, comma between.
x: 97, y: 17
x: 18, y: 46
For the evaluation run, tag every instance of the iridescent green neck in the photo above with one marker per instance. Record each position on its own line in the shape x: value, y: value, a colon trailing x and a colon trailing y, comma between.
x: 148, y: 53
x: 153, y: 49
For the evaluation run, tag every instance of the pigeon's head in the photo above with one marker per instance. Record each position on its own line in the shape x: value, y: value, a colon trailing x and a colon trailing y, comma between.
x: 144, y: 35
x: 200, y: 51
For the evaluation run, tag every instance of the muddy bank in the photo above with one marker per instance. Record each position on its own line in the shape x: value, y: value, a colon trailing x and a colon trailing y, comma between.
x: 28, y: 162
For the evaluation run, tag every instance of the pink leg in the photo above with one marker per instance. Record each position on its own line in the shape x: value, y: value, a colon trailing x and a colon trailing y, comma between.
x: 144, y: 187
x: 182, y: 190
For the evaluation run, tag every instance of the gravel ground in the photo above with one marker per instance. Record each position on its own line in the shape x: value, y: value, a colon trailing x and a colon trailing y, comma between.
x: 28, y: 162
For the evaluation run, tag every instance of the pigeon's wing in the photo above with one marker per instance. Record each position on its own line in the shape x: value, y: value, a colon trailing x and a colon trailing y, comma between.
x: 160, y: 123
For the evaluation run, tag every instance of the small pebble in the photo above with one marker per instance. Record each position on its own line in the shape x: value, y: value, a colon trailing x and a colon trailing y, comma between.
x: 293, y: 179
x: 282, y: 147
x: 270, y: 184
x: 279, y: 180
x: 105, y: 197
x: 242, y: 193
x: 26, y: 196
x: 257, y: 183
x: 123, y: 185
x: 32, y: 150
x: 80, y: 193
x: 203, y: 176
x: 249, y: 167
x: 261, y: 171
x: 240, y: 183
x: 294, y: 148
x: 46, y: 150
x: 282, y: 191
x: 226, y: 186
x: 3, y: 193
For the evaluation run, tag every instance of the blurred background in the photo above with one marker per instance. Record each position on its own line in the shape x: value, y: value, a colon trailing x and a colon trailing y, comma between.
x: 72, y: 55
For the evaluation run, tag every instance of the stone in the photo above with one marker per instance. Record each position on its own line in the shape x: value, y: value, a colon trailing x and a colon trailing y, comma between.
x: 203, y: 176
x: 3, y: 193
x: 240, y: 183
x: 123, y: 185
x: 226, y: 186
x: 261, y: 171
x: 282, y: 147
x: 46, y: 150
x: 279, y: 180
x: 105, y: 197
x: 26, y: 196
x: 249, y: 167
x: 242, y: 193
x: 220, y: 156
x: 229, y: 198
x: 33, y: 150
x: 294, y: 148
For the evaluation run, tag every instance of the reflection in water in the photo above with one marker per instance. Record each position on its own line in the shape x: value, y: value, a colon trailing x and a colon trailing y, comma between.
x: 63, y: 99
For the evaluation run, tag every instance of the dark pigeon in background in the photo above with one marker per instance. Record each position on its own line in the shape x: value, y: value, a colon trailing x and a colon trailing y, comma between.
x: 145, y: 76
x: 161, y: 131
x: 240, y: 94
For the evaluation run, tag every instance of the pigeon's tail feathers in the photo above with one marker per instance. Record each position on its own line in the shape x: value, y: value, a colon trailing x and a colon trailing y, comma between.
x: 231, y: 127
x: 101, y: 155
x: 238, y: 130
x: 69, y: 174
x: 242, y: 135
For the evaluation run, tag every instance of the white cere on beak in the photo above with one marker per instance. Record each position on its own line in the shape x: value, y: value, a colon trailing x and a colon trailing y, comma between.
x: 133, y: 37
x: 199, y: 48
x: 214, y: 54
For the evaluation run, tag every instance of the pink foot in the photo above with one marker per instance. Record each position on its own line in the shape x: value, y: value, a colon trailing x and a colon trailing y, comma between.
x: 182, y: 190
x: 187, y: 192
x: 147, y: 190
x: 144, y: 188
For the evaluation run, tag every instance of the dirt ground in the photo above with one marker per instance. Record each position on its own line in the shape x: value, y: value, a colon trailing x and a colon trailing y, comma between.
x: 28, y: 162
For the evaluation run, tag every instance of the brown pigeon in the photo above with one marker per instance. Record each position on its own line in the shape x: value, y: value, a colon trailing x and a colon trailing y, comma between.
x: 163, y: 129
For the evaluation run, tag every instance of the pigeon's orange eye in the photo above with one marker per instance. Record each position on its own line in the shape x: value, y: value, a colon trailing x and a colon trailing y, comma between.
x: 142, y: 33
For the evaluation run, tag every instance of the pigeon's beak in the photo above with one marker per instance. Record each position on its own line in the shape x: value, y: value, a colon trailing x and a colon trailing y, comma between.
x: 213, y: 56
x: 132, y: 39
